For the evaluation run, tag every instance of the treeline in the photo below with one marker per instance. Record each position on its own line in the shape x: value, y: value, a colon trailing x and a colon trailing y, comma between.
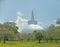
x: 51, y: 33
x: 8, y: 31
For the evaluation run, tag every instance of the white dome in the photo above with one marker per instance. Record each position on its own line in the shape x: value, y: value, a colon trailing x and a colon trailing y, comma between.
x: 32, y: 27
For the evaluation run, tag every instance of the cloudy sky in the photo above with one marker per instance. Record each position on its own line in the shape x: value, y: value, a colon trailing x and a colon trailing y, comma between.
x: 45, y: 11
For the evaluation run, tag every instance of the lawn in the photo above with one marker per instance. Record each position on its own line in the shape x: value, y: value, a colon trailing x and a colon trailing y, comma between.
x: 29, y: 44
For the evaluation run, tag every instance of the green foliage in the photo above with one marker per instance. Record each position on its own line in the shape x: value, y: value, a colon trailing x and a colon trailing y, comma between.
x: 50, y: 32
x: 8, y: 29
x: 36, y: 34
x: 58, y: 21
x: 53, y: 32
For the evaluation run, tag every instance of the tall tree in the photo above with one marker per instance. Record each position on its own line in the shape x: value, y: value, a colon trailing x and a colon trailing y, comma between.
x: 50, y: 33
x: 9, y: 30
x: 58, y: 21
x: 38, y: 35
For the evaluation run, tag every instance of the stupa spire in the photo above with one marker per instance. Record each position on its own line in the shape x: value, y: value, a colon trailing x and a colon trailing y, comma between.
x: 32, y: 21
x: 32, y: 17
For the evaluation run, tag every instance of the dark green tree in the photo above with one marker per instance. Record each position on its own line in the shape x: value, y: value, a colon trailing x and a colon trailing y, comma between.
x: 38, y: 35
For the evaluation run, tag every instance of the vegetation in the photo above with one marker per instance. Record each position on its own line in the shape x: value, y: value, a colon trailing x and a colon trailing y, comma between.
x: 29, y: 44
x: 9, y: 35
x: 8, y: 31
x: 53, y: 32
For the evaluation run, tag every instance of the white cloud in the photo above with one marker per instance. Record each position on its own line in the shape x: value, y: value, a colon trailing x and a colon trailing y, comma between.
x: 20, y: 22
x: 19, y: 13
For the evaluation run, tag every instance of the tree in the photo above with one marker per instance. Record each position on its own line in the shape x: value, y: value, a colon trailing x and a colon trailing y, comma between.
x: 8, y: 30
x: 53, y: 33
x: 50, y: 33
x: 57, y: 33
x: 11, y: 26
x: 38, y: 35
x: 58, y: 21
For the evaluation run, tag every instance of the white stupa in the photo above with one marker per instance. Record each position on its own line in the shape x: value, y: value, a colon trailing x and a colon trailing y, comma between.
x: 32, y: 25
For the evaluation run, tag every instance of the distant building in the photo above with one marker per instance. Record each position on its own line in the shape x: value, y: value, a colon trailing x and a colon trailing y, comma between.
x: 32, y: 21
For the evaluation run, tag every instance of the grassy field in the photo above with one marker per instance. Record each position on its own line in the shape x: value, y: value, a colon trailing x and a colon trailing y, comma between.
x: 28, y: 44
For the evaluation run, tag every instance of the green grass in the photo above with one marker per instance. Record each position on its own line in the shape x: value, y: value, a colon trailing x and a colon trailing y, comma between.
x: 29, y: 44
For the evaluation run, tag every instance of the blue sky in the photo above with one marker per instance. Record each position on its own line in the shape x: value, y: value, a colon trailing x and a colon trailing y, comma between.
x: 45, y: 11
